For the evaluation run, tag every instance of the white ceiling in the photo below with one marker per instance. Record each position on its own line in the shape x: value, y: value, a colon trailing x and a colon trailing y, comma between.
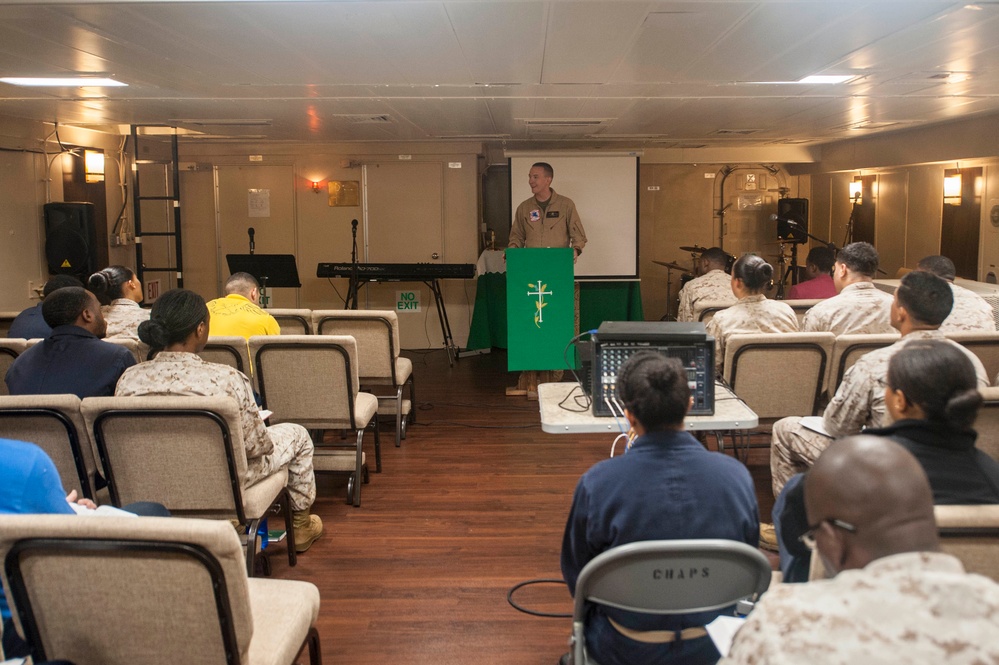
x: 571, y: 73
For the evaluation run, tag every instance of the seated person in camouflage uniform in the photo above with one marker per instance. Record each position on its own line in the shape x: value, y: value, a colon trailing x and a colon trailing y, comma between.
x: 120, y: 292
x: 751, y: 276
x: 859, y: 307
x: 921, y: 303
x: 971, y: 313
x: 712, y: 286
x: 895, y: 597
x: 178, y: 330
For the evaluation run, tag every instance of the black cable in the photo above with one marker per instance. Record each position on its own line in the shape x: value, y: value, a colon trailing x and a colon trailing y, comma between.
x: 565, y: 359
x: 584, y: 404
x: 337, y: 291
x: 536, y: 613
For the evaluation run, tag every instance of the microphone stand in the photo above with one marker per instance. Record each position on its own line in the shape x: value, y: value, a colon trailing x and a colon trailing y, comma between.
x: 353, y: 287
x: 848, y: 238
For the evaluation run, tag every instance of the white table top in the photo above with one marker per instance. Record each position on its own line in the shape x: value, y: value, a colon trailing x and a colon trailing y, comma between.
x: 730, y: 413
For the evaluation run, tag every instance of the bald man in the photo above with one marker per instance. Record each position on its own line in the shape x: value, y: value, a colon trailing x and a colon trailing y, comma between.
x: 895, y: 597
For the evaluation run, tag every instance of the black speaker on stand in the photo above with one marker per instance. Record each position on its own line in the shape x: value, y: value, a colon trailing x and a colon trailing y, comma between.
x: 797, y: 211
x: 70, y: 239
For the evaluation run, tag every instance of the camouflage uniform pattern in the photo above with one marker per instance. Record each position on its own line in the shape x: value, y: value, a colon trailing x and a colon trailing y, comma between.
x: 859, y: 402
x: 123, y: 317
x: 970, y: 313
x: 712, y: 286
x: 917, y: 607
x: 752, y: 314
x: 267, y: 448
x: 860, y: 308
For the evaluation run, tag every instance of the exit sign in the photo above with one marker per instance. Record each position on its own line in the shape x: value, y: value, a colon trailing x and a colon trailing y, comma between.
x: 407, y: 301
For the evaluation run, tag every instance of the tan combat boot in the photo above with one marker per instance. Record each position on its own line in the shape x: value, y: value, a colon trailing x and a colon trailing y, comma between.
x: 308, y: 528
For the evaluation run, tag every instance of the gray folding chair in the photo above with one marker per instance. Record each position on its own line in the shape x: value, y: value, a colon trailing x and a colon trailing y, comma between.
x: 847, y: 350
x: 186, y: 453
x: 151, y: 590
x: 630, y: 577
x: 55, y: 424
x: 971, y: 533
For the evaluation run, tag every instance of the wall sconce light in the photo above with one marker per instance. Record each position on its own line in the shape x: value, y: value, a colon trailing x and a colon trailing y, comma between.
x: 93, y: 166
x: 317, y: 186
x: 952, y: 187
x: 856, y: 190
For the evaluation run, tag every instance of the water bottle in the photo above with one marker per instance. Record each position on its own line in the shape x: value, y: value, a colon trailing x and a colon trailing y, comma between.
x: 262, y: 534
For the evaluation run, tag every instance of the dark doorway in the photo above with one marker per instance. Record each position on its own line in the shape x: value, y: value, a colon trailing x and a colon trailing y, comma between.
x: 962, y: 214
x: 863, y: 220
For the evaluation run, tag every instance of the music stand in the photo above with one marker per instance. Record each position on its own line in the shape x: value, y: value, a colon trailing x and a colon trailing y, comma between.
x: 274, y: 270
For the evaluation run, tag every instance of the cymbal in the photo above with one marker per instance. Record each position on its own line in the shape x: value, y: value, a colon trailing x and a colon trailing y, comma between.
x: 693, y: 248
x: 671, y: 266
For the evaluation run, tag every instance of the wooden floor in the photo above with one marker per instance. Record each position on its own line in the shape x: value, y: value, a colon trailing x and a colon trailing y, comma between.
x: 473, y: 502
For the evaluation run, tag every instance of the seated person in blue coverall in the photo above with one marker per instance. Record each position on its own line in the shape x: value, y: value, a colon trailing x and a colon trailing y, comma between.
x: 666, y: 487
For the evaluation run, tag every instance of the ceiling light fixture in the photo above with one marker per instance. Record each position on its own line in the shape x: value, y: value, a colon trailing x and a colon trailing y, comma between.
x: 63, y: 81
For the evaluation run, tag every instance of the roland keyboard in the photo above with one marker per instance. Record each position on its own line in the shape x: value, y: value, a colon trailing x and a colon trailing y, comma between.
x: 398, y: 272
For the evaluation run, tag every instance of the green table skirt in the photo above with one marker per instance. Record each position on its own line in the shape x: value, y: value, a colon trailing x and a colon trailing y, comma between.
x: 598, y: 302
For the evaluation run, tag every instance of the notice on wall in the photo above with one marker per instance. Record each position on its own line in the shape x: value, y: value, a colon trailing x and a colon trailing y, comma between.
x: 407, y: 301
x: 259, y: 203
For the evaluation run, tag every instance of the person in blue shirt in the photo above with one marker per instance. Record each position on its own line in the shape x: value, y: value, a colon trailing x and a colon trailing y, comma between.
x: 29, y: 484
x: 30, y: 324
x: 73, y: 359
x: 666, y: 487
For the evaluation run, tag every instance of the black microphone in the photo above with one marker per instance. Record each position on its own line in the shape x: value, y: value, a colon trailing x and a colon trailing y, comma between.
x: 787, y: 220
x: 353, y: 224
x: 251, y: 232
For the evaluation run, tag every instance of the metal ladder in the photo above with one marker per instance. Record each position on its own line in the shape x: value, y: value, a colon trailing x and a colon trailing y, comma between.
x: 167, y: 218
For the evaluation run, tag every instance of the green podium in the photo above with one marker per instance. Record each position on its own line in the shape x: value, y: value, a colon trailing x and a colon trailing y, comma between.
x: 540, y: 297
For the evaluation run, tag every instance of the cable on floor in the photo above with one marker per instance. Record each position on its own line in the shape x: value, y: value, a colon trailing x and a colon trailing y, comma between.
x: 536, y: 613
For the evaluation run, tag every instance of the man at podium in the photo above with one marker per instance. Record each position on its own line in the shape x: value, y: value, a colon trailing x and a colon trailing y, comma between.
x: 547, y: 219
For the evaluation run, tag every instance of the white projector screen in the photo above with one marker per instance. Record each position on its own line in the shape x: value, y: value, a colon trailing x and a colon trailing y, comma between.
x: 605, y: 191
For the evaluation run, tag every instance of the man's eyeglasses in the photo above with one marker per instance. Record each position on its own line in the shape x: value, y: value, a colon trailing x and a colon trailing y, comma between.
x: 808, y: 538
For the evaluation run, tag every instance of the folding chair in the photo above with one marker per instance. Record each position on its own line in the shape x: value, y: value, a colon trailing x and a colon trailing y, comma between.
x: 312, y: 380
x: 379, y: 363
x: 630, y: 577
x: 847, y: 350
x: 151, y: 590
x: 983, y: 345
x: 10, y: 349
x: 293, y: 321
x: 971, y: 533
x: 987, y: 423
x: 186, y: 453
x: 55, y: 424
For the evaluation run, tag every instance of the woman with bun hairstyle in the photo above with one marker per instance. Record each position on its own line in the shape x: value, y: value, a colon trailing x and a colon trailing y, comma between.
x: 752, y: 313
x: 932, y: 397
x: 119, y: 292
x: 177, y: 331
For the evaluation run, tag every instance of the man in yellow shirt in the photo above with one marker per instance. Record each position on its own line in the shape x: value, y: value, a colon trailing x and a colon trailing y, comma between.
x: 238, y: 313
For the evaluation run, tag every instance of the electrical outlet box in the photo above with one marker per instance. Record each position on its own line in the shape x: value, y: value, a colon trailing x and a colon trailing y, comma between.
x: 35, y: 290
